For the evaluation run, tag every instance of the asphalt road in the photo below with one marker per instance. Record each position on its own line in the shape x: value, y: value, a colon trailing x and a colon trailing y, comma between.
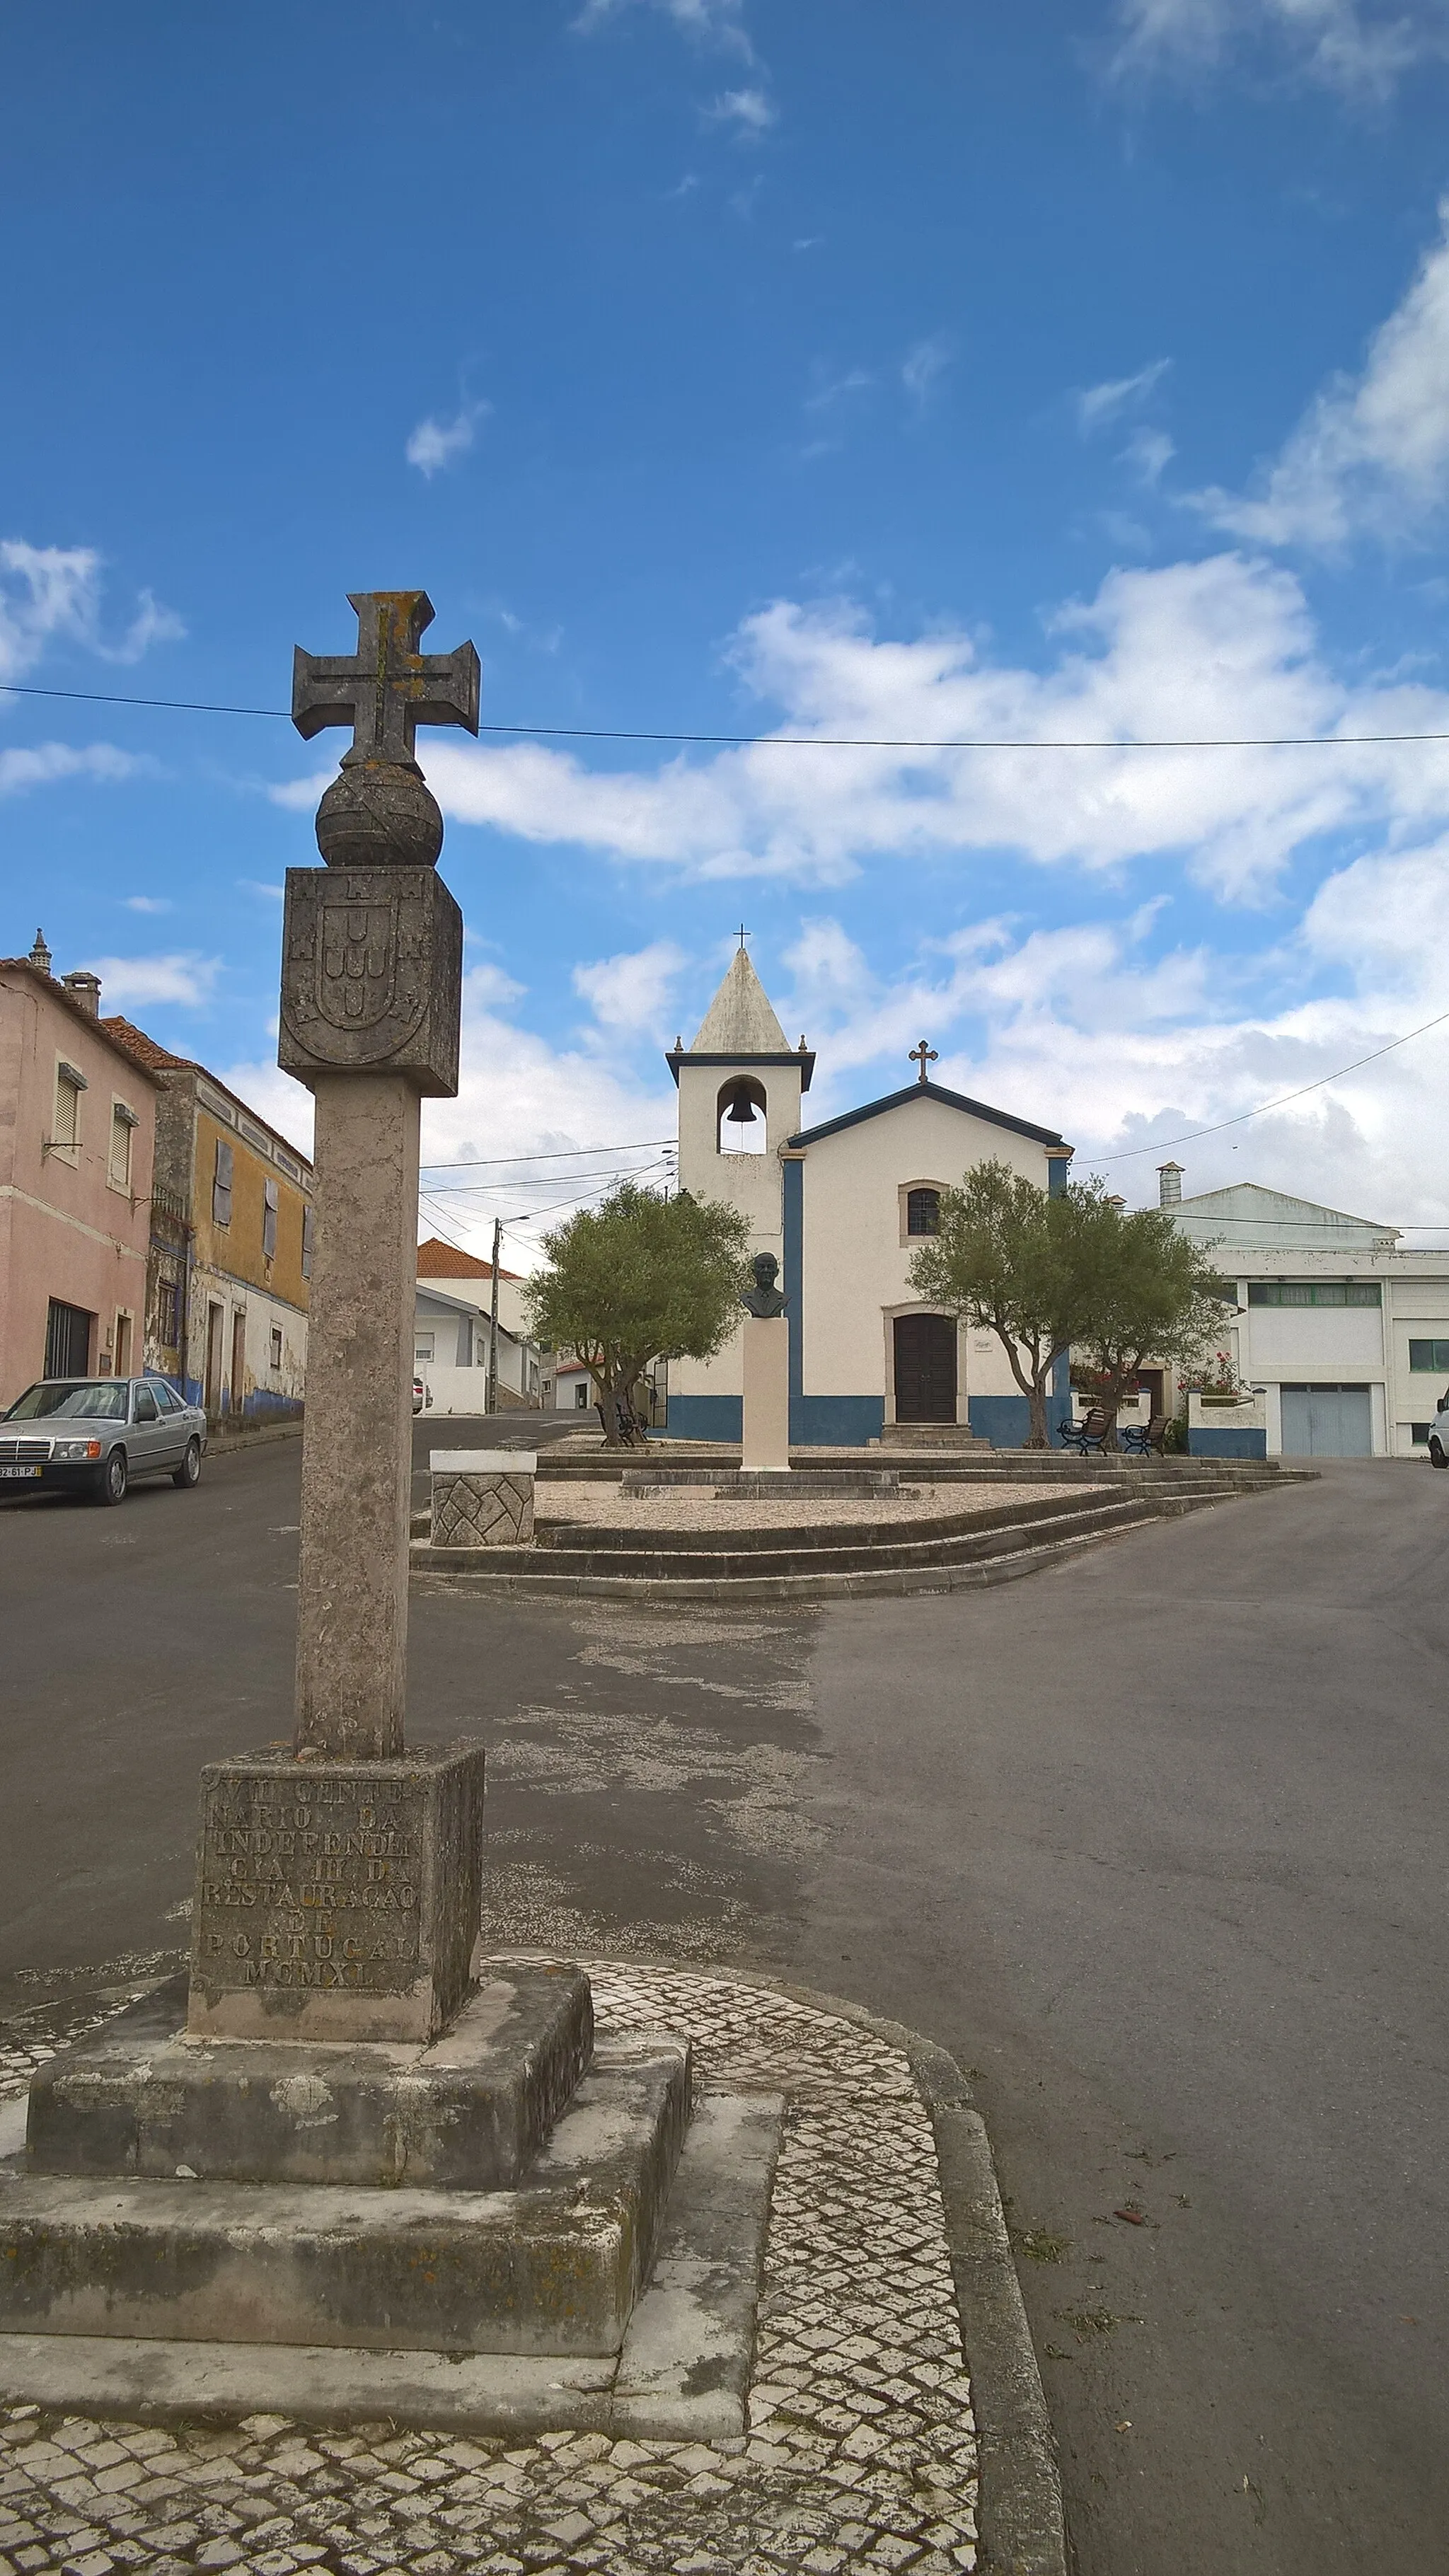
x: 1154, y: 1844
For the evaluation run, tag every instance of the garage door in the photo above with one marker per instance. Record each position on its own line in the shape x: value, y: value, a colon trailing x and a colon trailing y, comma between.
x: 1327, y: 1422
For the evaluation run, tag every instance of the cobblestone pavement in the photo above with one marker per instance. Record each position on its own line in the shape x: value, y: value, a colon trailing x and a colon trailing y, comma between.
x: 860, y: 2451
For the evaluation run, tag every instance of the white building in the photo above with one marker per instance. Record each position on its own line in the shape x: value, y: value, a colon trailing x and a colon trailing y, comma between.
x: 841, y: 1206
x: 1344, y: 1334
x: 452, y: 1329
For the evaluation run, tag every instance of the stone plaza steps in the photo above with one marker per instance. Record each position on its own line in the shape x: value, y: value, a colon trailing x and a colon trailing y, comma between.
x: 990, y: 1544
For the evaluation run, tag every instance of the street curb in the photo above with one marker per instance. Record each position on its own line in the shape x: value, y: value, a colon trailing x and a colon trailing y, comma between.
x: 1019, y: 2507
x: 220, y: 1442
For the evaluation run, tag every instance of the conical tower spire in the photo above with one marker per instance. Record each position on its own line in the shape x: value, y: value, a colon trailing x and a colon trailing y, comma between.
x: 739, y: 1020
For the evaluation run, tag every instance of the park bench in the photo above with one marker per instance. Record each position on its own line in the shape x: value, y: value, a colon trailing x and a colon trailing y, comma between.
x: 1143, y: 1439
x: 1086, y: 1435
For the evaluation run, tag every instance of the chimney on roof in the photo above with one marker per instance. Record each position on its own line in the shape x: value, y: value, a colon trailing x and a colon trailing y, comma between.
x: 85, y: 988
x: 40, y: 954
x: 1116, y: 1200
x: 1169, y: 1184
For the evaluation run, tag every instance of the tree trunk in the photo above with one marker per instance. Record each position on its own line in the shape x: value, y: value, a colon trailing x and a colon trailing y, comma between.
x: 1038, y: 1436
x: 609, y: 1413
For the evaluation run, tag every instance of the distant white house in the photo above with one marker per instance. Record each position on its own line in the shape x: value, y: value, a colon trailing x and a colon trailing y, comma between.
x: 1343, y: 1333
x: 452, y: 1330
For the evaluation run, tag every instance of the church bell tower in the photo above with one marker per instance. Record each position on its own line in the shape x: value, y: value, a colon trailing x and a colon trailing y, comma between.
x: 740, y: 1087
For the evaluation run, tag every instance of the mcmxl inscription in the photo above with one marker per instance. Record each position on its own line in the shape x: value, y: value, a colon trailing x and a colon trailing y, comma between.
x: 314, y: 1886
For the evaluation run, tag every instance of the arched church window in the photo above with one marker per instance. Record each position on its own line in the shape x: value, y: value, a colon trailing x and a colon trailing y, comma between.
x: 923, y: 1211
x: 740, y: 1115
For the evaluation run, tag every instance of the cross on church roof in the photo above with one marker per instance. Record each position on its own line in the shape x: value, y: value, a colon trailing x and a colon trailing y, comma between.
x: 923, y: 1055
x: 742, y: 934
x: 387, y: 688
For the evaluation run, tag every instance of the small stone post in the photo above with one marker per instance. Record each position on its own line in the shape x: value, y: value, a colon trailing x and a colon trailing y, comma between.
x: 342, y: 1900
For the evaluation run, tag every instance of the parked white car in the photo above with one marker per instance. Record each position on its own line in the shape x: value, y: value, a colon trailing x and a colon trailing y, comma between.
x: 1439, y: 1433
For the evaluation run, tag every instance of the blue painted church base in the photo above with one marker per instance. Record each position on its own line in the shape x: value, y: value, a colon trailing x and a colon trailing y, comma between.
x: 851, y: 1421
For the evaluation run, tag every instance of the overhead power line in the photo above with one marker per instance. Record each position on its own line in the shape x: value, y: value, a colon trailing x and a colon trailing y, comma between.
x: 562, y: 1154
x: 790, y: 741
x: 1163, y: 1143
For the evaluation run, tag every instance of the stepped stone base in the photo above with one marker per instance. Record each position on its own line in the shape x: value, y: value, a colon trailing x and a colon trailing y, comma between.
x: 466, y: 2112
x: 554, y: 2266
x: 924, y: 1436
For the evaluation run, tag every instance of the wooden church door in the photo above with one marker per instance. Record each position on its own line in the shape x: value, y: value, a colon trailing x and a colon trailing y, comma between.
x: 925, y: 1356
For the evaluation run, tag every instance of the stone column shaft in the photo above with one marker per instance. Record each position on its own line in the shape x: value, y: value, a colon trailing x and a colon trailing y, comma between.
x: 357, y: 1435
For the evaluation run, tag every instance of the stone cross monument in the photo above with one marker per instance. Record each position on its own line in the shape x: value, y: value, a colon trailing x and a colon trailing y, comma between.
x: 377, y: 1945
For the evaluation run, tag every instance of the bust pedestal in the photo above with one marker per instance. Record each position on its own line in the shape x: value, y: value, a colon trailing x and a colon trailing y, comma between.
x: 767, y: 1394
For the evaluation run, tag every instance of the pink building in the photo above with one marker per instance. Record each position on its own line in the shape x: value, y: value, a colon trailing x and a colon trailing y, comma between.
x: 77, y: 1136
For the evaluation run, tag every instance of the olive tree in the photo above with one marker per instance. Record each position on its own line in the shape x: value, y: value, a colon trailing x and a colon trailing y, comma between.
x: 1151, y: 1294
x: 638, y: 1278
x: 1008, y: 1258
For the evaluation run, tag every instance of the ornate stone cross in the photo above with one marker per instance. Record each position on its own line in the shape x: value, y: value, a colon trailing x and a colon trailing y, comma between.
x: 387, y: 688
x: 923, y: 1056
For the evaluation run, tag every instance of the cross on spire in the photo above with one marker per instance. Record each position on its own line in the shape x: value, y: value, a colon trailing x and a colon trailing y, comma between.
x: 387, y: 688
x: 923, y: 1056
x: 742, y: 934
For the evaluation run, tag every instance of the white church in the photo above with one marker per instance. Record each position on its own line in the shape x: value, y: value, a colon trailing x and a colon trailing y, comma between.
x: 842, y: 1206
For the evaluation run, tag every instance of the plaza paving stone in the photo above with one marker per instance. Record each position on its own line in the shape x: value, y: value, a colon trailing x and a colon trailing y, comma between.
x: 859, y: 2454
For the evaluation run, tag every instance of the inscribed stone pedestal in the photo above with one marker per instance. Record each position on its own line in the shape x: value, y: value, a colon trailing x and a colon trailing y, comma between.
x: 767, y: 1393
x: 336, y: 1900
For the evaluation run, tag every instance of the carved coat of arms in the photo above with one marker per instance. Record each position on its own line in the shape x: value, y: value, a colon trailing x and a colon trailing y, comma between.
x: 363, y: 951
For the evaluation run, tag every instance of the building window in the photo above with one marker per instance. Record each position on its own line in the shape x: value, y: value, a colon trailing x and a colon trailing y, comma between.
x: 581, y: 1396
x: 124, y: 1123
x: 1419, y: 1433
x: 1433, y: 1356
x: 923, y: 1211
x: 269, y: 1220
x: 423, y: 1344
x: 70, y: 1082
x: 1314, y: 1292
x: 221, y: 1185
x: 307, y: 1242
x: 276, y: 1346
x: 168, y: 1314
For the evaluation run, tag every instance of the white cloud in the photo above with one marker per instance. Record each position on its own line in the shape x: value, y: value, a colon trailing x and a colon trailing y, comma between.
x: 265, y: 893
x: 831, y: 389
x: 630, y: 992
x: 1359, y: 50
x: 1221, y: 648
x: 749, y: 111
x: 285, y: 1104
x: 923, y: 364
x: 42, y: 763
x: 148, y: 903
x: 52, y: 594
x: 1372, y: 452
x: 1079, y: 1028
x: 1102, y: 403
x: 152, y: 624
x: 719, y: 22
x: 434, y: 444
x: 1149, y: 452
x: 298, y: 796
x: 129, y: 981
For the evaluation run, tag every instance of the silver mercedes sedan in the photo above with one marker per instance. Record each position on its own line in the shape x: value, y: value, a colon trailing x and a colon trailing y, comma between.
x: 96, y: 1434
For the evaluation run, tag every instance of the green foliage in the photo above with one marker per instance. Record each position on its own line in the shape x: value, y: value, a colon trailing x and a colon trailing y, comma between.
x: 1004, y: 1256
x: 1048, y: 1275
x: 638, y: 1278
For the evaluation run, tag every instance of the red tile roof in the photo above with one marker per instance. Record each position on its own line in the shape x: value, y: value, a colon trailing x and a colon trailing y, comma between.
x: 159, y: 1059
x: 444, y: 1261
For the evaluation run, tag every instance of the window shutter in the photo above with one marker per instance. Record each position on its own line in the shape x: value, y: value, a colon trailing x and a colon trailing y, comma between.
x: 221, y: 1185
x: 307, y: 1242
x: 269, y: 1219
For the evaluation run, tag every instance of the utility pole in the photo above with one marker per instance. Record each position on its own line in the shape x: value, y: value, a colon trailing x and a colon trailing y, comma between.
x: 493, y: 1319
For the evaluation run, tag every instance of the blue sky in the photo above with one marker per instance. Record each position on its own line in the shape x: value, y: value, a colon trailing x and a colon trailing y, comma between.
x: 736, y: 366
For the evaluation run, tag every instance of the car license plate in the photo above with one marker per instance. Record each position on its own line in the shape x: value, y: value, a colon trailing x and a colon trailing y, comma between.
x: 19, y: 1471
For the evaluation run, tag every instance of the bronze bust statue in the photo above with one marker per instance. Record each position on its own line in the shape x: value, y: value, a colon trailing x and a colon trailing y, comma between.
x: 764, y: 1299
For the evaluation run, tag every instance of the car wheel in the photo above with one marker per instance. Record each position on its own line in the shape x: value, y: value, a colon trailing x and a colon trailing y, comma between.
x: 1436, y: 1454
x: 111, y: 1482
x: 189, y: 1471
